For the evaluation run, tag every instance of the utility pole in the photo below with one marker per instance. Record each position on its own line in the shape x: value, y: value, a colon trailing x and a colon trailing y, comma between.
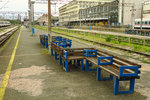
x: 29, y: 13
x: 141, y: 15
x: 122, y: 12
x: 49, y: 24
x: 33, y: 14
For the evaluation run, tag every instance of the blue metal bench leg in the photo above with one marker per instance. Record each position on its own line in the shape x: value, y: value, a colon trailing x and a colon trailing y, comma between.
x: 116, y: 86
x: 82, y: 65
x: 132, y: 82
x: 87, y: 66
x: 70, y: 62
x: 67, y: 69
x: 52, y: 52
x: 99, y: 78
x: 74, y: 62
x: 46, y: 44
x: 78, y: 63
x: 40, y: 41
x: 98, y: 74
x: 60, y: 60
x: 111, y: 77
x: 56, y: 56
x: 63, y: 63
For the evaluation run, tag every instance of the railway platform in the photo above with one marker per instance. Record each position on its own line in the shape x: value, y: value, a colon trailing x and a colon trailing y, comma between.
x: 28, y: 72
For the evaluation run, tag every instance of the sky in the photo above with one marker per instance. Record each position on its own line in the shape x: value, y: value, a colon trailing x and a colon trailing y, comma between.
x: 22, y: 5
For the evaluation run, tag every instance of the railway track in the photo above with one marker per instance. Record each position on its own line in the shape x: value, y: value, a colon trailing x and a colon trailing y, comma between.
x: 4, y: 28
x: 6, y: 35
x: 107, y: 45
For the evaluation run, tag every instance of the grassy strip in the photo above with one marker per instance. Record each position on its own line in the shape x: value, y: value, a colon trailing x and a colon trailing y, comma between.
x: 106, y: 40
x: 7, y: 42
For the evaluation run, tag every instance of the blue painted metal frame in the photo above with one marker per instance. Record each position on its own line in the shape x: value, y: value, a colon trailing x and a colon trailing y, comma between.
x: 56, y: 56
x: 57, y: 42
x: 99, y: 78
x: 87, y: 53
x: 66, y: 65
x: 65, y: 43
x: 65, y: 54
x: 87, y: 67
x: 122, y: 68
x: 60, y: 60
x: 116, y: 86
x: 82, y: 65
x: 105, y: 63
x: 45, y: 41
x: 52, y: 54
x: 58, y: 38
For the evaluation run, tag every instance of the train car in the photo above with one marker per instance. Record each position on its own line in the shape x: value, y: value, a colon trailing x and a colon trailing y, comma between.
x: 4, y: 23
x: 145, y: 23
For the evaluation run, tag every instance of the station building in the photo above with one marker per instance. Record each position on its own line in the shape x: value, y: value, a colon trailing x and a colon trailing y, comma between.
x: 146, y: 10
x: 101, y: 12
x: 69, y: 13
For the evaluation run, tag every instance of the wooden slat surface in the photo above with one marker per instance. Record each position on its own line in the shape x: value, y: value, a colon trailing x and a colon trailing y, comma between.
x: 76, y: 57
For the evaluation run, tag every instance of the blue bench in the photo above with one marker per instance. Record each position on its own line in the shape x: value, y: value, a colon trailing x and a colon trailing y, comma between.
x: 95, y: 60
x: 116, y: 69
x: 44, y: 40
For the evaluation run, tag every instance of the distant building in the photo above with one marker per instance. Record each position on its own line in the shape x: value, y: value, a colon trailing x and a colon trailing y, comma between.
x: 129, y: 10
x: 43, y: 20
x: 69, y: 13
x: 146, y: 10
x: 113, y: 12
x: 102, y: 14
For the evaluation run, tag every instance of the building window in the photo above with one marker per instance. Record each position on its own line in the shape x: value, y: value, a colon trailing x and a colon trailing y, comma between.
x: 146, y: 23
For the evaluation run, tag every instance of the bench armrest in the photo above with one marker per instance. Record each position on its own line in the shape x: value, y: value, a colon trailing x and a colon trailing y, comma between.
x: 105, y: 63
x: 122, y: 68
x: 90, y: 53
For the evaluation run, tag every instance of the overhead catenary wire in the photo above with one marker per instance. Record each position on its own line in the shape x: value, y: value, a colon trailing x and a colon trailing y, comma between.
x: 4, y: 4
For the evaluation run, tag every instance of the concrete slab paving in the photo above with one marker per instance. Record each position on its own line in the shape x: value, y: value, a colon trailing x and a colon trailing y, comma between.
x: 37, y: 76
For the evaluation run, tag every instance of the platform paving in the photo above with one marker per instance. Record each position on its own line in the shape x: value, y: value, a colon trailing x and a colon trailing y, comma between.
x: 35, y: 75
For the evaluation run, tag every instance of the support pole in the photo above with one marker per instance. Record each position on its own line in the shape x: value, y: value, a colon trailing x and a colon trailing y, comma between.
x: 32, y: 6
x: 29, y: 13
x: 141, y: 15
x: 49, y: 24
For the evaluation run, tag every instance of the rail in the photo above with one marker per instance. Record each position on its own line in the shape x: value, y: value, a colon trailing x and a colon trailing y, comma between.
x: 4, y: 36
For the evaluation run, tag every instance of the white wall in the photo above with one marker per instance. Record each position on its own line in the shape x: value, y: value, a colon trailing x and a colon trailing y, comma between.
x: 127, y: 13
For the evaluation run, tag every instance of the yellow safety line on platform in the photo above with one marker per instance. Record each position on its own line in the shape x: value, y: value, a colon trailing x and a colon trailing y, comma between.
x: 7, y: 73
